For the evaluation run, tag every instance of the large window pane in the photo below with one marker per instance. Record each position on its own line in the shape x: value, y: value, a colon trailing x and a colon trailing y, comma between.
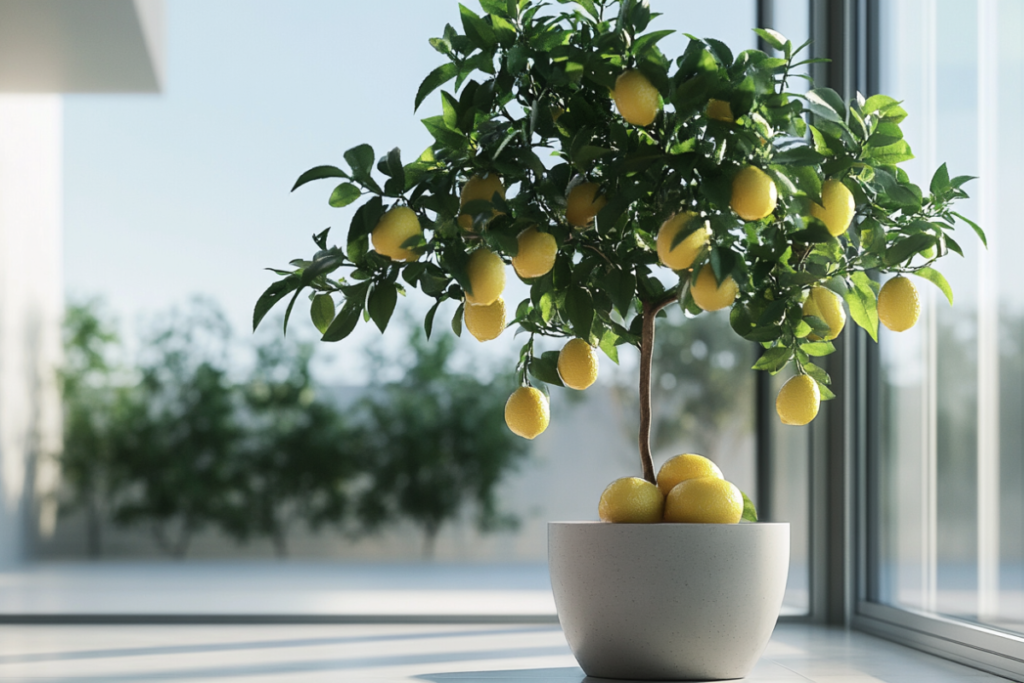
x: 950, y: 476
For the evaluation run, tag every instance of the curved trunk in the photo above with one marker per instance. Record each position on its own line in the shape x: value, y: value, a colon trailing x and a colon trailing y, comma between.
x: 650, y: 313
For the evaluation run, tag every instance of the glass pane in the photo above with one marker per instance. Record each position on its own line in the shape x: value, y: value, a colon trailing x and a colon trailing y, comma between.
x: 950, y: 476
x: 225, y: 90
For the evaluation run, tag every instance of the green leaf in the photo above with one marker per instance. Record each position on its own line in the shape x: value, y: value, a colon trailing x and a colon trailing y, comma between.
x: 774, y: 359
x: 272, y: 295
x: 579, y: 304
x: 819, y: 348
x: 443, y: 134
x: 940, y: 180
x: 434, y: 80
x: 343, y: 195
x: 827, y: 104
x: 890, y: 155
x: 322, y: 311
x: 818, y: 325
x: 901, y: 250
x: 365, y: 219
x: 798, y: 156
x: 863, y: 304
x: 345, y: 322
x: 457, y: 319
x: 477, y: 30
x: 608, y: 345
x: 360, y: 158
x: 817, y: 374
x: 499, y: 7
x: 872, y: 236
x: 974, y: 226
x: 319, y: 173
x: 749, y: 511
x: 382, y: 304
x: 545, y: 368
x: 773, y: 38
x: 428, y: 320
x: 621, y: 287
x: 936, y: 278
x: 646, y: 42
x: 720, y: 50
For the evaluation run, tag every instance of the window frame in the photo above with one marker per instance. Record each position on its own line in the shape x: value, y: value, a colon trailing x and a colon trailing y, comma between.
x: 845, y: 445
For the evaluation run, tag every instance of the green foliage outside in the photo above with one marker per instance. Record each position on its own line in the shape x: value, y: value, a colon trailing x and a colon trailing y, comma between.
x: 428, y: 433
x: 524, y: 78
x: 176, y: 444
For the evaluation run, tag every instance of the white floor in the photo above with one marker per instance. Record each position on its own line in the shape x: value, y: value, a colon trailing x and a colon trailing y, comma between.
x: 390, y: 653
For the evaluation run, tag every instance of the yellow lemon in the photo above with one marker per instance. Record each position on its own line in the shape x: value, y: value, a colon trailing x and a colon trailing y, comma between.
x: 536, y: 254
x: 527, y: 412
x: 486, y: 322
x: 754, y: 194
x: 683, y: 254
x: 720, y: 110
x: 711, y: 296
x: 798, y: 400
x: 636, y: 98
x: 836, y: 209
x: 479, y: 188
x: 486, y: 273
x: 577, y: 364
x: 898, y: 304
x: 683, y: 467
x: 704, y: 500
x: 391, y: 232
x: 583, y: 203
x: 827, y: 305
x: 631, y: 500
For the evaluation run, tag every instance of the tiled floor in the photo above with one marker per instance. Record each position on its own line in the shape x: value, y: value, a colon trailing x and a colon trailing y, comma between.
x: 390, y: 653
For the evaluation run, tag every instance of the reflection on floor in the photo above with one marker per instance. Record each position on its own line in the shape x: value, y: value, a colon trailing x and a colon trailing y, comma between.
x: 379, y: 653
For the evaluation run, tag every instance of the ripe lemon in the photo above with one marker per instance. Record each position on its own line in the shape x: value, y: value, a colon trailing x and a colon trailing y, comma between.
x: 798, y: 400
x: 486, y: 273
x: 631, y: 500
x: 720, y: 110
x: 836, y: 209
x: 536, y: 255
x: 391, y: 232
x: 704, y: 500
x: 711, y: 296
x: 479, y: 188
x: 754, y: 194
x: 486, y: 322
x: 527, y: 412
x: 636, y: 98
x: 682, y: 256
x: 898, y: 304
x: 827, y: 305
x: 583, y: 203
x: 577, y: 364
x: 683, y: 467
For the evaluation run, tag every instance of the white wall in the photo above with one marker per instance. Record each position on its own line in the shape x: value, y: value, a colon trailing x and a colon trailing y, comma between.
x: 31, y: 304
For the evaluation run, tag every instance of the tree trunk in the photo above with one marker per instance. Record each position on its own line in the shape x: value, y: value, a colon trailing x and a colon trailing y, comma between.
x: 650, y: 313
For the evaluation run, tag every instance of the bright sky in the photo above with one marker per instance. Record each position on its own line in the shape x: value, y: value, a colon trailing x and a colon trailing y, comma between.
x: 187, y: 191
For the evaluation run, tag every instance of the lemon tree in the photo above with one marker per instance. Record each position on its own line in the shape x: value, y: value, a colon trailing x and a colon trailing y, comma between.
x: 790, y: 194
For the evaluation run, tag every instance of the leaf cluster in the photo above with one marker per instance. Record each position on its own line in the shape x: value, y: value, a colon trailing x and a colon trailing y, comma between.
x: 531, y: 80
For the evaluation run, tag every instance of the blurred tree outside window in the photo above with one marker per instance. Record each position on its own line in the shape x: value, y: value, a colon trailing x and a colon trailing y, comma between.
x: 175, y: 444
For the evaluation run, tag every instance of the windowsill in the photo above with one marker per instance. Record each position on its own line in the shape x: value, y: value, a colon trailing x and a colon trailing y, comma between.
x: 411, y: 652
x: 331, y: 621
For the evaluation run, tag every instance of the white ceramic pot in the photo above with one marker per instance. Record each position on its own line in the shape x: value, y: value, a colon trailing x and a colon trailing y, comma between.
x: 668, y: 601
